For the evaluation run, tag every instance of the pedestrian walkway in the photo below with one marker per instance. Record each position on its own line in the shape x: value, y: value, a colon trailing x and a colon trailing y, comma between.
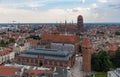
x: 76, y: 70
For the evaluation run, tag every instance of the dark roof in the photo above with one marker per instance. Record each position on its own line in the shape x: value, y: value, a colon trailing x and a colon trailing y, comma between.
x: 51, y: 54
x: 48, y: 51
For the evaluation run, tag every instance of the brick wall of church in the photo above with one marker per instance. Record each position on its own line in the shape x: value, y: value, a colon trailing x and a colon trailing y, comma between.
x: 45, y: 62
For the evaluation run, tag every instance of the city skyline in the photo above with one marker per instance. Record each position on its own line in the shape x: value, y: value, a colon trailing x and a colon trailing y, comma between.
x: 52, y: 11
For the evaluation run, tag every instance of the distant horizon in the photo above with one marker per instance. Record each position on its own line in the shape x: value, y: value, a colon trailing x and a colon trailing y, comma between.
x: 55, y: 23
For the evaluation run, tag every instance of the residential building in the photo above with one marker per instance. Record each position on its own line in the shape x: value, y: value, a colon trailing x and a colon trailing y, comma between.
x: 113, y: 49
x: 21, y: 45
x: 24, y: 71
x: 6, y: 54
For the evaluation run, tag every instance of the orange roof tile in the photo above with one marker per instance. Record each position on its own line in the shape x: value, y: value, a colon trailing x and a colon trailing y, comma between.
x: 39, y: 71
x: 113, y: 48
x: 71, y: 39
x: 8, y: 71
x: 56, y: 32
x: 86, y: 43
x: 5, y: 51
x: 67, y: 26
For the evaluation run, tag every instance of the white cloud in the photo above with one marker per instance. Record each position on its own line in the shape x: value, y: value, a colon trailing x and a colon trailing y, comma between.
x: 78, y: 9
x: 95, y: 15
x: 94, y: 6
x: 82, y: 1
x: 52, y: 15
x: 103, y: 1
x: 23, y: 5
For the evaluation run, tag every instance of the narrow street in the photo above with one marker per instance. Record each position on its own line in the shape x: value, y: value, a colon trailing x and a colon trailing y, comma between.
x: 77, y: 68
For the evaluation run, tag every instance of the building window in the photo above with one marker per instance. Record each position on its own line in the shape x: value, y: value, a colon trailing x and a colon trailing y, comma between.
x: 36, y: 61
x: 41, y: 64
x: 45, y: 62
x: 55, y: 63
x: 29, y: 60
x: 63, y: 64
x: 58, y: 63
x: 48, y: 62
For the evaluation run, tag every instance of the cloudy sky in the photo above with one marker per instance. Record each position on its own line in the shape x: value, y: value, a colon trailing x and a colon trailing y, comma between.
x: 42, y: 11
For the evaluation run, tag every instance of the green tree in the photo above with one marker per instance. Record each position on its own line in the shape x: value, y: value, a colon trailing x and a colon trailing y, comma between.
x: 104, y: 61
x: 36, y: 37
x: 98, y: 32
x: 11, y: 40
x: 2, y: 43
x: 78, y: 34
x: 101, y: 61
x: 95, y: 62
x: 116, y: 59
x: 117, y: 33
x: 3, y: 33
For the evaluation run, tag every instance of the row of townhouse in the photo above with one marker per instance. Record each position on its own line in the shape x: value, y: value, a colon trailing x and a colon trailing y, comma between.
x: 6, y: 54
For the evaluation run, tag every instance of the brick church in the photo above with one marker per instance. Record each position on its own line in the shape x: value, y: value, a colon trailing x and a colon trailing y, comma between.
x: 71, y: 28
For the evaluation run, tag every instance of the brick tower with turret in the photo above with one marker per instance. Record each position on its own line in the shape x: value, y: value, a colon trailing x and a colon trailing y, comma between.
x: 86, y: 52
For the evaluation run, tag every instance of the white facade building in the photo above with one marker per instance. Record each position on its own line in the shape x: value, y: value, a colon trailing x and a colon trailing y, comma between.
x: 6, y: 55
x: 19, y: 49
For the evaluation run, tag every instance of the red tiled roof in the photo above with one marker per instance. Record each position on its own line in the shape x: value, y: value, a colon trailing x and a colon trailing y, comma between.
x: 86, y: 43
x: 71, y: 39
x: 113, y: 48
x: 5, y: 51
x: 56, y: 32
x: 67, y: 26
x: 39, y: 72
x: 8, y: 71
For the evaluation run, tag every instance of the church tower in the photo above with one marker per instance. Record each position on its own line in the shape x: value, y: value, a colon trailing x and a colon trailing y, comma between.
x: 80, y: 23
x: 86, y: 52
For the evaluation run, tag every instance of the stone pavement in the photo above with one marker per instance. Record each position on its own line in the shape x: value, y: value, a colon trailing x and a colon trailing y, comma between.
x: 76, y: 70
